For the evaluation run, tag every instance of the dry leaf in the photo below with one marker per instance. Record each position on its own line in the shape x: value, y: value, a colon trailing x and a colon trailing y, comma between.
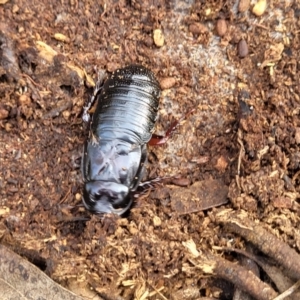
x: 45, y: 51
x: 199, y: 196
x: 19, y: 279
x: 79, y: 71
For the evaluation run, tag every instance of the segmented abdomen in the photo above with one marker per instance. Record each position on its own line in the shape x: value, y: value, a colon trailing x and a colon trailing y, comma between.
x: 127, y: 106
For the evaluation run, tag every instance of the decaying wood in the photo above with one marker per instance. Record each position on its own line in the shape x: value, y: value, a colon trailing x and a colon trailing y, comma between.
x: 238, y: 275
x: 268, y: 243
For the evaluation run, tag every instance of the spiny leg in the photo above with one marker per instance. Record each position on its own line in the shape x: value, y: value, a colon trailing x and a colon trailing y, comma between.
x: 99, y: 84
x: 157, y: 140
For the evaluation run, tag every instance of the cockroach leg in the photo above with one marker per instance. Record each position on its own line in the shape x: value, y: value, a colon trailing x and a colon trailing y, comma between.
x: 158, y: 140
x: 85, y: 115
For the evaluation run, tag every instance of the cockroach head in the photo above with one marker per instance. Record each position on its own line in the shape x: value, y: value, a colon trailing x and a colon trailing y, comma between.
x: 106, y: 197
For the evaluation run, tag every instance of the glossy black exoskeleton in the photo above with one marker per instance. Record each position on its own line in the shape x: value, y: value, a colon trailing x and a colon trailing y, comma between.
x: 115, y: 151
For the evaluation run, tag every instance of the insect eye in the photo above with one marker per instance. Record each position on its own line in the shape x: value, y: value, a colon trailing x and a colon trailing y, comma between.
x: 95, y: 197
x: 122, y: 152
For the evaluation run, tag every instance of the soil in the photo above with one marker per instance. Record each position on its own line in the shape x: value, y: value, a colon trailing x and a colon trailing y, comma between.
x: 238, y: 150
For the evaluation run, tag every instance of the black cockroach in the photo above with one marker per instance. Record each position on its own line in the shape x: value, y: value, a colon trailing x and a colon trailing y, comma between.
x: 116, y: 149
x: 115, y: 152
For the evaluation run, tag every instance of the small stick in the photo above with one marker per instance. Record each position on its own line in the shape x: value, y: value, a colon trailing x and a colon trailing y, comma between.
x: 54, y: 112
x: 236, y: 274
x: 268, y: 243
x: 289, y: 291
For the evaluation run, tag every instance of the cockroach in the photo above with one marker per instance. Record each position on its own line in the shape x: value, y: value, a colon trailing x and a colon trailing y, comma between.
x: 115, y: 152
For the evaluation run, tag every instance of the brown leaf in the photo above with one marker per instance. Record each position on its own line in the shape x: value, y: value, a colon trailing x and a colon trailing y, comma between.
x: 46, y: 51
x: 199, y: 196
x: 19, y: 279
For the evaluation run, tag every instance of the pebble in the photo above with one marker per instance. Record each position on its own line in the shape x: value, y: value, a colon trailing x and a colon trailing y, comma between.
x: 221, y: 27
x: 156, y: 221
x: 148, y: 41
x: 243, y: 49
x: 197, y: 28
x: 3, y: 113
x: 158, y: 37
x: 260, y: 7
x: 8, y: 127
x: 66, y: 114
x: 244, y: 5
x: 167, y: 83
x: 15, y: 8
x: 221, y: 164
x: 181, y: 181
x: 24, y: 100
x: 297, y: 135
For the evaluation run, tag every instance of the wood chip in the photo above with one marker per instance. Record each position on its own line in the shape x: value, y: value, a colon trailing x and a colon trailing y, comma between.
x: 244, y: 5
x: 260, y: 7
x: 158, y: 37
x: 61, y: 37
x: 3, y: 113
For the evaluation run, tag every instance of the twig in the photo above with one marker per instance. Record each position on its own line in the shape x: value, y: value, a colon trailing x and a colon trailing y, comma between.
x: 157, y: 291
x: 268, y: 243
x: 260, y: 26
x: 242, y: 151
x: 57, y: 110
x: 238, y: 275
x: 288, y: 292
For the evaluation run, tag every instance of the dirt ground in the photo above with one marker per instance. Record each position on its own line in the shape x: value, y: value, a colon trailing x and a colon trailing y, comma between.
x: 238, y: 153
